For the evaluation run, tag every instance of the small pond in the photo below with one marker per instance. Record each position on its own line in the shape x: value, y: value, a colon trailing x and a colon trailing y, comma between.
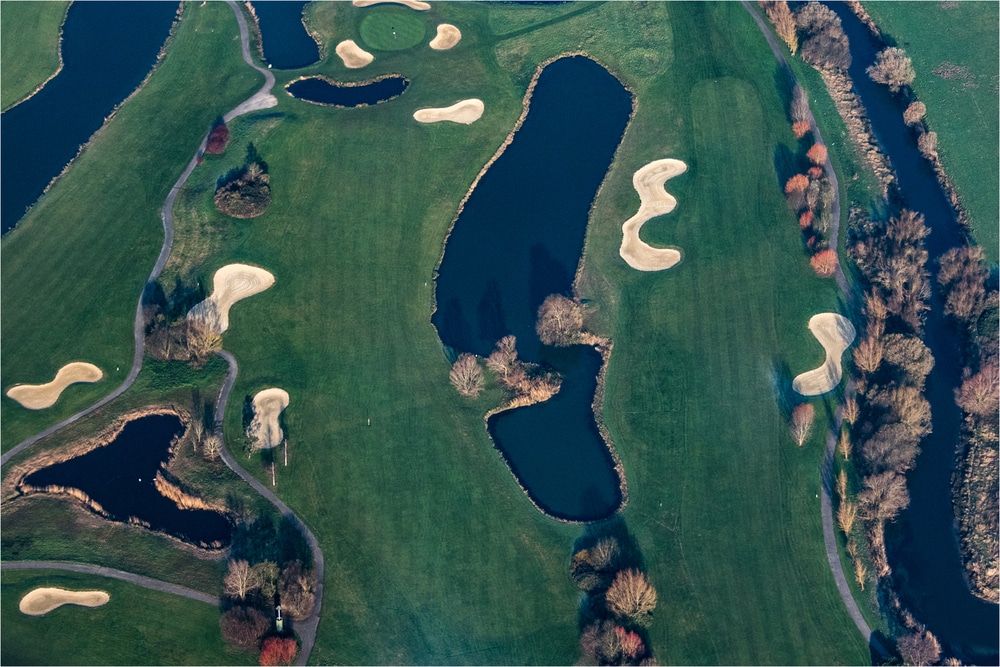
x: 519, y: 239
x: 119, y: 476
x: 348, y: 95
x: 286, y: 43
x: 107, y: 49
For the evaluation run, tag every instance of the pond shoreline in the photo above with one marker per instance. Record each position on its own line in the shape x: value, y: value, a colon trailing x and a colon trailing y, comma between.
x: 59, y: 69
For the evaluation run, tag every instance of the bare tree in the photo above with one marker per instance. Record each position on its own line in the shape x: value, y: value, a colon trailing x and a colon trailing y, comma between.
x: 844, y: 444
x: 847, y: 512
x: 265, y: 576
x: 467, y: 376
x: 860, y: 573
x: 825, y: 44
x: 875, y: 306
x: 884, y: 496
x: 800, y: 104
x: 919, y: 648
x: 784, y: 23
x: 202, y: 341
x: 909, y: 355
x: 631, y: 596
x: 914, y: 113
x: 908, y: 405
x: 892, y: 68
x: 802, y: 422
x: 560, y: 321
x: 927, y: 143
x: 605, y: 554
x: 892, y: 447
x: 501, y: 360
x: 963, y: 277
x: 211, y: 447
x: 851, y: 411
x: 239, y: 580
x: 978, y: 394
x: 868, y: 355
x: 842, y: 485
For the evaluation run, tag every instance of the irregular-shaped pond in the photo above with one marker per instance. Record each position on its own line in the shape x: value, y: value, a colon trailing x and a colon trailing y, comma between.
x: 283, y: 35
x: 120, y: 477
x: 319, y: 90
x: 519, y: 239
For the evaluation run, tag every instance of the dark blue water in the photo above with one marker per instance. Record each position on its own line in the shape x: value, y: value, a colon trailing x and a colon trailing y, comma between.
x: 923, y: 546
x: 286, y: 43
x: 120, y: 477
x: 518, y: 240
x: 108, y: 48
x: 322, y: 91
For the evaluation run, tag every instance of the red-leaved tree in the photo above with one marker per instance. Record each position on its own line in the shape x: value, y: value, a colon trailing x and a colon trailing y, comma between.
x: 824, y: 263
x: 797, y: 183
x: 217, y: 140
x: 632, y: 645
x: 806, y: 220
x: 800, y: 128
x: 278, y: 651
x: 815, y: 173
x: 817, y: 154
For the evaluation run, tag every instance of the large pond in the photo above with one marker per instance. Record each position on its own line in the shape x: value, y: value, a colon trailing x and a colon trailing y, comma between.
x: 107, y: 48
x: 519, y: 239
x: 347, y: 95
x: 923, y: 546
x: 286, y: 43
x: 120, y: 477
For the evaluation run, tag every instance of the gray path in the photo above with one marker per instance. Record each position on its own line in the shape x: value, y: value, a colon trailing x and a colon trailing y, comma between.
x: 146, y: 582
x: 826, y: 505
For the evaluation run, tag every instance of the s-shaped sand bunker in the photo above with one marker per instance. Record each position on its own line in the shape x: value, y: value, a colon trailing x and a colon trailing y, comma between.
x: 447, y: 36
x: 40, y: 396
x: 835, y: 333
x: 43, y: 600
x: 267, y: 405
x: 354, y: 56
x: 464, y: 112
x: 230, y: 284
x: 412, y: 4
x: 653, y: 201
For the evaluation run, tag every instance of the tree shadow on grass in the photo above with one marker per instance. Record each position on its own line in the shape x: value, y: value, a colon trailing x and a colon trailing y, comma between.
x: 781, y: 385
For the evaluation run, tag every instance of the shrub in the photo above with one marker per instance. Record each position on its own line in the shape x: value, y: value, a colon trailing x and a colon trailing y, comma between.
x: 217, y: 140
x: 244, y: 626
x: 914, y: 113
x: 805, y: 220
x: 795, y: 191
x: 824, y: 263
x: 892, y: 68
x: 246, y: 196
x: 817, y: 154
x: 800, y: 128
x: 278, y: 651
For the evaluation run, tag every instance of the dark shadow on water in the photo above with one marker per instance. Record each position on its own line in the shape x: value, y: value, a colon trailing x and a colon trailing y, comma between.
x: 490, y: 315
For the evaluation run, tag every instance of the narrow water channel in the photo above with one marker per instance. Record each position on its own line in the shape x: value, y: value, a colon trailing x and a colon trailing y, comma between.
x: 519, y: 239
x: 107, y: 49
x: 923, y: 544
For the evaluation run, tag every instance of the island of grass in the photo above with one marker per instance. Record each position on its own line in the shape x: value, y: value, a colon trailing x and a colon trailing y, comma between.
x: 30, y: 36
x: 438, y: 556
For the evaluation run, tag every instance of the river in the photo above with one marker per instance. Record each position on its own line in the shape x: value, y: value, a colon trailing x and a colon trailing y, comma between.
x: 923, y: 544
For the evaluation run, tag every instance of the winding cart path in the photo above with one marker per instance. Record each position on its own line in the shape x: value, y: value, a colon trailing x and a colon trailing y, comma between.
x: 262, y: 99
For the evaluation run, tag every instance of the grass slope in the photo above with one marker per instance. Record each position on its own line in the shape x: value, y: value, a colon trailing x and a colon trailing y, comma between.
x: 137, y: 626
x: 29, y: 46
x: 963, y: 110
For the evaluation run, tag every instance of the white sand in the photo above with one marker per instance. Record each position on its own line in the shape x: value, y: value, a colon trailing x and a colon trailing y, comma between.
x: 463, y: 111
x: 653, y: 201
x: 43, y: 600
x: 230, y: 284
x: 835, y: 333
x: 447, y: 36
x: 354, y: 56
x: 412, y: 4
x: 39, y: 396
x: 267, y: 405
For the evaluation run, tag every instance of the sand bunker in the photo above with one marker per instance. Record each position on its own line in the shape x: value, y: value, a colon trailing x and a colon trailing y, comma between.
x: 43, y: 600
x: 447, y: 36
x: 267, y: 405
x: 39, y: 396
x: 354, y: 56
x: 835, y: 333
x: 230, y: 284
x: 412, y: 4
x: 653, y: 201
x: 464, y: 111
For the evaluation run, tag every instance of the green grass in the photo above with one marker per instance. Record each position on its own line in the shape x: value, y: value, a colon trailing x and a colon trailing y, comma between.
x: 137, y: 626
x: 392, y: 30
x: 964, y: 110
x: 29, y: 46
x: 433, y: 553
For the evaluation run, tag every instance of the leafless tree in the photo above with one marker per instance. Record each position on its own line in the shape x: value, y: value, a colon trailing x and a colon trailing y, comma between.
x: 860, y: 573
x: 560, y: 321
x: 244, y: 626
x: 893, y: 447
x: 851, y: 411
x: 501, y: 360
x: 875, y: 306
x: 605, y: 554
x: 844, y: 444
x: 631, y: 596
x: 846, y: 514
x: 265, y: 576
x: 802, y: 422
x: 914, y: 113
x: 909, y: 355
x: 868, y: 355
x: 239, y: 580
x: 919, y: 648
x: 892, y: 68
x: 202, y: 342
x: 908, y: 405
x: 963, y: 277
x: 298, y: 595
x: 978, y: 394
x: 884, y: 496
x: 842, y: 485
x: 927, y: 143
x: 211, y: 446
x: 784, y: 23
x: 467, y: 376
x: 825, y: 44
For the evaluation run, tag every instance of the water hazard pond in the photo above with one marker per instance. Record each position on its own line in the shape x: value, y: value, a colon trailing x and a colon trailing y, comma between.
x: 519, y: 239
x: 120, y: 477
x: 319, y: 90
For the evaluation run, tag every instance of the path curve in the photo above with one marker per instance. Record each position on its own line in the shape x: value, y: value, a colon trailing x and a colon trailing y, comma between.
x: 138, y: 579
x: 826, y: 504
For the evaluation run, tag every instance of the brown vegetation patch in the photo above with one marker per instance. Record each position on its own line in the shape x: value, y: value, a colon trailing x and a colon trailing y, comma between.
x: 948, y: 71
x: 41, y: 601
x: 247, y: 195
x: 40, y: 396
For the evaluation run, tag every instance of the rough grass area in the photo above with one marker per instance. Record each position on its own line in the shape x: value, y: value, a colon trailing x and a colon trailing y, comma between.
x: 386, y: 29
x: 137, y: 626
x: 955, y: 49
x: 29, y: 47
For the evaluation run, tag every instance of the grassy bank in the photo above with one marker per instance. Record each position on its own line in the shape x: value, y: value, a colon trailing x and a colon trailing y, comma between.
x: 137, y: 626
x: 955, y: 50
x: 29, y: 47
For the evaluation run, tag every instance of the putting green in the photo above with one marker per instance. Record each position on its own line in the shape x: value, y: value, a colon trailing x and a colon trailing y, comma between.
x: 392, y: 30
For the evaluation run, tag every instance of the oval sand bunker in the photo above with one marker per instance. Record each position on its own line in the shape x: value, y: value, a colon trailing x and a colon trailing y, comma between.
x: 653, y: 201
x: 412, y: 4
x: 43, y: 600
x: 464, y: 112
x: 230, y: 284
x: 39, y: 396
x: 835, y: 333
x: 267, y: 405
x: 354, y: 56
x: 447, y: 36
